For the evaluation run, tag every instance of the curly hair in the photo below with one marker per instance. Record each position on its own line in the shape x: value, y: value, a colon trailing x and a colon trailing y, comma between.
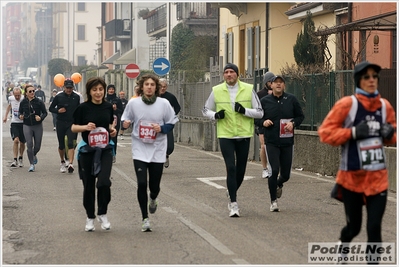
x: 144, y: 78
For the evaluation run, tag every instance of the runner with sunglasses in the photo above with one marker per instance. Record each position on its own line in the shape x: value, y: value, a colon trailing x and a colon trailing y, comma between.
x: 32, y: 111
x: 362, y: 124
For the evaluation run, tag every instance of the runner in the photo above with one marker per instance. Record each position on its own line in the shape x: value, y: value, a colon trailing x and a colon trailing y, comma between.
x: 32, y: 111
x: 94, y: 120
x: 64, y: 105
x: 176, y: 107
x: 16, y: 127
x: 152, y: 118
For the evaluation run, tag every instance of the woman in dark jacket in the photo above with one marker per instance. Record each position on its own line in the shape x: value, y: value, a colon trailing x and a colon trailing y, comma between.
x: 32, y: 111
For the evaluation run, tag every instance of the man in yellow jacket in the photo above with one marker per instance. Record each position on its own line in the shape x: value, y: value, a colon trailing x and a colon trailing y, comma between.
x: 234, y: 105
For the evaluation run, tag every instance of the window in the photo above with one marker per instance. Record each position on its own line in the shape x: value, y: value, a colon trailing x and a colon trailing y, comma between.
x: 81, y: 32
x: 81, y: 6
x: 81, y: 60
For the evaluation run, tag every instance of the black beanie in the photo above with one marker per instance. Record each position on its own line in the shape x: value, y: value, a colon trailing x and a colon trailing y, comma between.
x: 110, y: 86
x: 231, y: 66
x: 361, y: 69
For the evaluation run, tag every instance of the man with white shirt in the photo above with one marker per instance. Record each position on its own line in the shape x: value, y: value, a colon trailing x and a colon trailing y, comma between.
x: 16, y: 127
x: 234, y: 105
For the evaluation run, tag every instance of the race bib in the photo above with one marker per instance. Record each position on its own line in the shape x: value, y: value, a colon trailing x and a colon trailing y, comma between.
x: 146, y: 133
x: 15, y: 113
x: 371, y: 154
x: 98, y: 137
x: 283, y: 132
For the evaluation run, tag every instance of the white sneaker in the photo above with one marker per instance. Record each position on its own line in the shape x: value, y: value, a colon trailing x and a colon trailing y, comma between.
x: 234, y: 211
x: 20, y: 162
x: 228, y: 197
x: 31, y: 168
x: 265, y: 173
x: 70, y: 168
x: 63, y: 168
x: 146, y: 227
x: 274, y: 206
x: 105, y: 224
x: 14, y: 164
x: 89, y: 225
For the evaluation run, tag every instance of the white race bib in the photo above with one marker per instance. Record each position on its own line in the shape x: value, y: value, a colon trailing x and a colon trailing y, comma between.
x: 146, y: 133
x: 98, y: 137
x: 283, y: 132
x: 371, y: 154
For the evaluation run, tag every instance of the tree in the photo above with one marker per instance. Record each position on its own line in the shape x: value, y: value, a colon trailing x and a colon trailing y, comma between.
x: 307, y: 49
x: 58, y: 65
x: 190, y: 53
x: 182, y: 38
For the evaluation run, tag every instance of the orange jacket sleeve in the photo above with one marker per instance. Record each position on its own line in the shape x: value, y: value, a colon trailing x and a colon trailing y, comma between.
x: 391, y: 119
x: 331, y: 131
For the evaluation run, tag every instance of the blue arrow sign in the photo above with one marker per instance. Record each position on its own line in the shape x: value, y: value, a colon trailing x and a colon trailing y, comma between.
x: 161, y: 66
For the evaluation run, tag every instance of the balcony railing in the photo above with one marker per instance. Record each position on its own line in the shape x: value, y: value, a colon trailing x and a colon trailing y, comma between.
x: 117, y: 30
x: 156, y: 19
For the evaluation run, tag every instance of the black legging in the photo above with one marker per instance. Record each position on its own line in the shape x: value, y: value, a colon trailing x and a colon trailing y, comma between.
x: 64, y: 128
x: 154, y: 181
x: 233, y: 149
x: 85, y: 164
x: 280, y: 160
x: 375, y: 206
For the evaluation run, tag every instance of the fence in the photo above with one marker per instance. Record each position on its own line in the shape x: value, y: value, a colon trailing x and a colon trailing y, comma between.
x: 316, y: 93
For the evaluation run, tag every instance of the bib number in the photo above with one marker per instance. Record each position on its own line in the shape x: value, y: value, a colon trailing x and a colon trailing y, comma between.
x: 283, y: 132
x: 146, y: 133
x: 371, y: 154
x: 98, y: 137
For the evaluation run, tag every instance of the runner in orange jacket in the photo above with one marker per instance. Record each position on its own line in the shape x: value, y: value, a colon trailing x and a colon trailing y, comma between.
x: 362, y: 124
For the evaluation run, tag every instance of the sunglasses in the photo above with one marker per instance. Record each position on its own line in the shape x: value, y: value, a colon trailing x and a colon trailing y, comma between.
x: 31, y: 91
x: 367, y: 76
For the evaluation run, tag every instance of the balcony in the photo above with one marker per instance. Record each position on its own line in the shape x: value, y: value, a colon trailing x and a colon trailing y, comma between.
x: 117, y: 30
x: 236, y: 9
x: 157, y: 22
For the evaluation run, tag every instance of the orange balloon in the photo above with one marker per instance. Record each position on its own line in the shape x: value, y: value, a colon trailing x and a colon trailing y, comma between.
x: 76, y: 77
x: 59, y: 80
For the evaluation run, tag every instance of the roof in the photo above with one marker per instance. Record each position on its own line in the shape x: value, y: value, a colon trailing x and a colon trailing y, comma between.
x: 126, y: 58
x: 382, y: 22
x: 111, y: 59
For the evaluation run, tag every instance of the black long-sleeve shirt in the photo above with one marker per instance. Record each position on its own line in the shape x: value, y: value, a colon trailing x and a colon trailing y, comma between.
x: 69, y: 102
x: 172, y: 100
x: 276, y: 108
x: 31, y: 108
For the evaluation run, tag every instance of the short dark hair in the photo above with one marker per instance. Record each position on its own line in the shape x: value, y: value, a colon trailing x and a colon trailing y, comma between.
x: 94, y: 81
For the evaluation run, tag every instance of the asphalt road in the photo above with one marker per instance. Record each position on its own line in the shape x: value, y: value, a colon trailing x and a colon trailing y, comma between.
x: 44, y: 218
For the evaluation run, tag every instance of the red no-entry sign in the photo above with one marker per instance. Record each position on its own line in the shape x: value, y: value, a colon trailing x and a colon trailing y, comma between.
x: 132, y: 71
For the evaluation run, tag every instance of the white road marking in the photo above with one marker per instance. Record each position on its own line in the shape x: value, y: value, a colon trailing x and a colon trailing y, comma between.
x: 208, y: 180
x: 331, y: 180
x: 214, y: 242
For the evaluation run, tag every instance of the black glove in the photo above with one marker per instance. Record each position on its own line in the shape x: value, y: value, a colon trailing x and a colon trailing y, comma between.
x: 219, y: 115
x: 239, y: 108
x: 360, y: 131
x: 387, y: 131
